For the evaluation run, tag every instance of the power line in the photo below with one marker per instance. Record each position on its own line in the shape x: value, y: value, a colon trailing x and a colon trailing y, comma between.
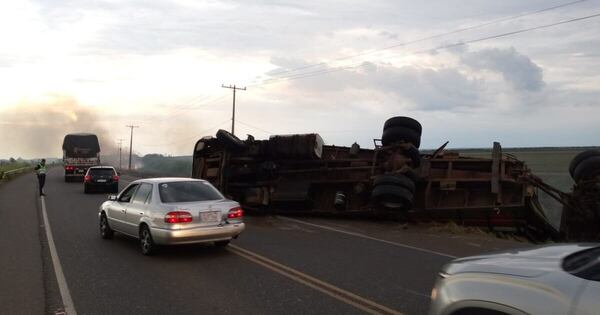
x: 257, y: 128
x: 186, y: 108
x: 187, y: 138
x: 442, y: 47
x: 460, y: 30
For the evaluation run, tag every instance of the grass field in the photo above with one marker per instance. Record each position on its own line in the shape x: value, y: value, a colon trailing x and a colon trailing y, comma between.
x: 13, y: 166
x: 550, y: 164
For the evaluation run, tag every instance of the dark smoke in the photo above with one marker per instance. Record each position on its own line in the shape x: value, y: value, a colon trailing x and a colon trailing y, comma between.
x: 37, y: 129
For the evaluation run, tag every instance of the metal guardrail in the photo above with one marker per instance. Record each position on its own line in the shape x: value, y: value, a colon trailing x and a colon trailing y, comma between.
x: 8, y: 174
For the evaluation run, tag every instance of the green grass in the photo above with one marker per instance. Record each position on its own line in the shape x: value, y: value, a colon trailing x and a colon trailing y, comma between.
x: 13, y: 166
x: 550, y: 164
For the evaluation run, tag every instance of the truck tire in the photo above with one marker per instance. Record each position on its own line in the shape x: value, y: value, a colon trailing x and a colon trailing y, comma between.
x: 402, y: 121
x: 392, y: 197
x: 395, y: 180
x: 230, y: 140
x: 581, y: 157
x: 587, y: 169
x: 400, y: 134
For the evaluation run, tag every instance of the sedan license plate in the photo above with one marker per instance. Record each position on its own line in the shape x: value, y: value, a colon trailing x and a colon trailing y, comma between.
x: 211, y: 216
x: 101, y: 181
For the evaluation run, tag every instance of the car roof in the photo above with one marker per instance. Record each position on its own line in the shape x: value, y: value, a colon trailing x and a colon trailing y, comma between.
x: 99, y: 166
x: 168, y: 180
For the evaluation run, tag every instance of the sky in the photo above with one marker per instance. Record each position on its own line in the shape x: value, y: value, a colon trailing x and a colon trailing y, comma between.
x: 338, y: 68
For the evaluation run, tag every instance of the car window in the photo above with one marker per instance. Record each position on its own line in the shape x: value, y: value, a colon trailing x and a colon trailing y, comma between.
x: 101, y: 171
x: 584, y: 264
x: 142, y: 193
x: 126, y: 195
x: 187, y: 192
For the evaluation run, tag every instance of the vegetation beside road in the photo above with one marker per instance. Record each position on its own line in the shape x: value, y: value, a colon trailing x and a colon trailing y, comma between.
x: 550, y: 164
x: 180, y: 166
x: 13, y: 164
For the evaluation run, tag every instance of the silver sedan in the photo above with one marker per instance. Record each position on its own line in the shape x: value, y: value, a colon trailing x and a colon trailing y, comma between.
x: 556, y: 279
x: 169, y: 211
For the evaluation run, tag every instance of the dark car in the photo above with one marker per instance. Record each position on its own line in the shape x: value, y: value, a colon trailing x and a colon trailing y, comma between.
x: 104, y: 178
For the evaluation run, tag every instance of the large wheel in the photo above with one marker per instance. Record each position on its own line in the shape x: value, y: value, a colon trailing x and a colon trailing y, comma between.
x: 400, y: 134
x: 392, y: 197
x: 146, y: 242
x: 395, y: 180
x: 401, y: 121
x: 105, y: 231
x: 587, y: 169
x: 581, y: 157
x: 230, y: 140
x: 222, y: 243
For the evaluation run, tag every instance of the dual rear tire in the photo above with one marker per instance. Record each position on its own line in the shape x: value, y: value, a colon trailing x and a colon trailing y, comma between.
x: 401, y: 129
x: 393, y: 192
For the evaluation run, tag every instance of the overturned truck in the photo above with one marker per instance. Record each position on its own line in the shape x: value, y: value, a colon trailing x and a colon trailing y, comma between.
x: 300, y: 174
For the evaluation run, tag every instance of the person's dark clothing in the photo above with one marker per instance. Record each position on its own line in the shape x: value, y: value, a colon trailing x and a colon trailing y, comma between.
x: 41, y: 182
x: 41, y: 175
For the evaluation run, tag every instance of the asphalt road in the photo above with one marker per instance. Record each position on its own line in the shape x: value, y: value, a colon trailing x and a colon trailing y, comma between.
x: 278, y: 265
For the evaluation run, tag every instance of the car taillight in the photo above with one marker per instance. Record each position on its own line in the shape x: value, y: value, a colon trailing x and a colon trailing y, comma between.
x: 235, y: 213
x: 178, y: 217
x: 87, y: 178
x: 69, y: 167
x: 115, y: 178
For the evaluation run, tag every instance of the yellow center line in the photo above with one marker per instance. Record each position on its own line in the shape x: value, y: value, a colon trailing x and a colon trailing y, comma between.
x: 340, y: 294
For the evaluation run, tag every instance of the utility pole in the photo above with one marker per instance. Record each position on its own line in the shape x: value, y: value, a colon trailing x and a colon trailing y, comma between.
x: 131, y: 142
x: 120, y: 149
x: 234, y: 88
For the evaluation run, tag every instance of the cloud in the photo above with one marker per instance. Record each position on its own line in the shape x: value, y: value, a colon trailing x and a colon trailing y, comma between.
x: 517, y: 69
x: 416, y: 87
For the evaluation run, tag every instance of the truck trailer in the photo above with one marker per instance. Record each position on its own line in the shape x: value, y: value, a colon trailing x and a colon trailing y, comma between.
x: 80, y: 152
x: 299, y: 174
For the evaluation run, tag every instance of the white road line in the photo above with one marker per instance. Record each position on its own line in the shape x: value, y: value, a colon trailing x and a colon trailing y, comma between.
x: 60, y: 277
x: 369, y: 237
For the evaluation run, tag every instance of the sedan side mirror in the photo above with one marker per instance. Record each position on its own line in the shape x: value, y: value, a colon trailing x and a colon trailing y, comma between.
x: 112, y: 197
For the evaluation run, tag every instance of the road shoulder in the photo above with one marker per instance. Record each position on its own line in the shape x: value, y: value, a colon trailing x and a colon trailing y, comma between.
x: 21, y: 262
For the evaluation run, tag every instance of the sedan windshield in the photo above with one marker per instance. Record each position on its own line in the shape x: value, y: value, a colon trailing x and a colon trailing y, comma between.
x: 174, y: 192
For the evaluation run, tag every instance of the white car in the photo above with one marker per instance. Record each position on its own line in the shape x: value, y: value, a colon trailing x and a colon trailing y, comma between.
x: 555, y: 279
x: 170, y: 211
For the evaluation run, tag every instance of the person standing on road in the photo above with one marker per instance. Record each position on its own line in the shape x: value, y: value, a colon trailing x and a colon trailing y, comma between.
x: 40, y: 169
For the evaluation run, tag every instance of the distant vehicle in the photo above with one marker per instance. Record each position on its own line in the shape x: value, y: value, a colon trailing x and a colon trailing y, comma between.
x: 80, y: 151
x: 101, y: 178
x: 171, y: 211
x: 556, y: 279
